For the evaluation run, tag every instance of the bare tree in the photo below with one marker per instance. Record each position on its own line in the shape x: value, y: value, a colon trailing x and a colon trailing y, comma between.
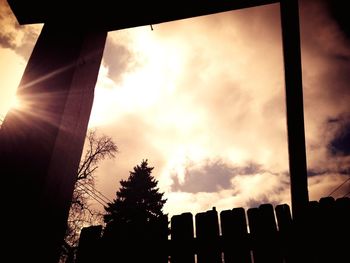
x: 97, y: 148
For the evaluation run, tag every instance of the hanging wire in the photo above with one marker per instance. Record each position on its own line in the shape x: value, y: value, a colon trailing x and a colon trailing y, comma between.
x: 339, y: 186
x: 348, y: 193
x: 96, y: 192
x: 96, y: 198
x: 95, y: 195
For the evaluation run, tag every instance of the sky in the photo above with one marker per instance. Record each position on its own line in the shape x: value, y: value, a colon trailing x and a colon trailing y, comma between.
x: 203, y: 100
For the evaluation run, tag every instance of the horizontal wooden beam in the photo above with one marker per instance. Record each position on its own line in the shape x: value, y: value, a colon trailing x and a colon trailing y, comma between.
x: 114, y: 15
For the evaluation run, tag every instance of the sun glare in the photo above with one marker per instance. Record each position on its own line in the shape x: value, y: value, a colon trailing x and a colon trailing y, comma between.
x: 143, y: 88
x: 15, y: 103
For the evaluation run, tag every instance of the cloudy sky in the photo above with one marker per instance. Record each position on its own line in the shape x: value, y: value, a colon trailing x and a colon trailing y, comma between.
x: 203, y: 100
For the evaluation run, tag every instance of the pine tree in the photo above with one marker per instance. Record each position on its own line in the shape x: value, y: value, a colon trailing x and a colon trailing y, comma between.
x: 138, y: 199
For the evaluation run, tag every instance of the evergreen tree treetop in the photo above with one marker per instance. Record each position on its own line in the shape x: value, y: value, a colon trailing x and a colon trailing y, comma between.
x: 138, y: 200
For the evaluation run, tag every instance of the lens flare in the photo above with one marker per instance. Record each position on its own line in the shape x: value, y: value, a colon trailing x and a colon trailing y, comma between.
x: 15, y: 103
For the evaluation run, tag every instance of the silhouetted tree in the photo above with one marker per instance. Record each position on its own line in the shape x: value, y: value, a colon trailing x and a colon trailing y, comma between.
x: 138, y: 199
x: 97, y: 148
x: 135, y: 220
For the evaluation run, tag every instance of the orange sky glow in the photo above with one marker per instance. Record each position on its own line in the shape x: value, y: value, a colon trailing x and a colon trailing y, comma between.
x: 203, y: 100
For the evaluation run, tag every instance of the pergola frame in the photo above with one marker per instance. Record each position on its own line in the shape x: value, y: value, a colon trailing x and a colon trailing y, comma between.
x: 40, y: 154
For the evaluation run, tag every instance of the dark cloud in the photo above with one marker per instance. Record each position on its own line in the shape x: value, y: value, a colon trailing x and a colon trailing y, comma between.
x: 318, y: 172
x: 211, y: 177
x: 26, y: 45
x: 340, y: 12
x: 264, y: 199
x: 19, y: 38
x: 7, y: 24
x: 7, y: 40
x: 118, y: 59
x: 340, y: 145
x: 336, y: 80
x: 325, y: 64
x: 315, y: 172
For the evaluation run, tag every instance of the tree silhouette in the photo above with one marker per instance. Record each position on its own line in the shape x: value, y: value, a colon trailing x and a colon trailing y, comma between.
x: 135, y: 220
x: 138, y: 199
x: 97, y: 148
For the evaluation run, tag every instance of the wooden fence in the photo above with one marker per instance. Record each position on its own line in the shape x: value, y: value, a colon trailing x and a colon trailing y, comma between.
x: 262, y: 234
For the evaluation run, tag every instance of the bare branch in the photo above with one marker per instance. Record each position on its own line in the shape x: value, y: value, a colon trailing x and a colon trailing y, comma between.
x: 97, y: 148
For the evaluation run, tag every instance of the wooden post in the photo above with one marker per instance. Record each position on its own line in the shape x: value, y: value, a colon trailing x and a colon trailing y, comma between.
x: 294, y: 105
x: 41, y: 145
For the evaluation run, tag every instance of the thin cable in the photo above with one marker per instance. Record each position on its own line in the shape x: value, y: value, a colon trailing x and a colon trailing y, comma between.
x: 348, y: 193
x: 94, y: 194
x: 93, y: 197
x: 95, y: 190
x: 98, y: 193
x: 83, y: 189
x: 339, y: 186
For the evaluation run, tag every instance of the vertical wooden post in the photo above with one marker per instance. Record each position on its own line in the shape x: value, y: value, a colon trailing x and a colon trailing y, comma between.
x: 41, y: 145
x: 294, y: 104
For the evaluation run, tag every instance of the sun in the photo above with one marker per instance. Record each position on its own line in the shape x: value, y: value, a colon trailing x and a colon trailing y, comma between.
x: 15, y: 103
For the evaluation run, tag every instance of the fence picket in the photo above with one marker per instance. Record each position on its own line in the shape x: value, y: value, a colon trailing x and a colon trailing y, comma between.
x: 89, y: 244
x: 182, y: 242
x: 207, y: 235
x: 235, y: 242
x: 157, y: 241
x: 342, y: 212
x: 263, y: 229
x: 285, y: 232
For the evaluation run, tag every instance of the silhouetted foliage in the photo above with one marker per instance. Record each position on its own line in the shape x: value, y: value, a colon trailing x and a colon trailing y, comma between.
x: 135, y: 220
x: 138, y: 199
